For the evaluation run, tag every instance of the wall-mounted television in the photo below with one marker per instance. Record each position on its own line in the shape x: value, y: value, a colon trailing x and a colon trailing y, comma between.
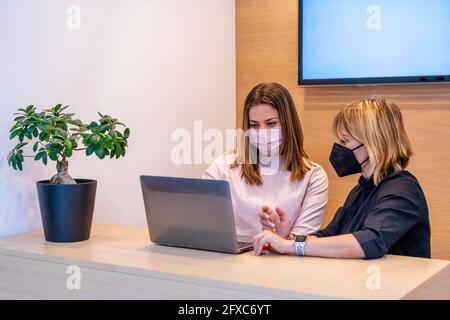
x: 373, y: 41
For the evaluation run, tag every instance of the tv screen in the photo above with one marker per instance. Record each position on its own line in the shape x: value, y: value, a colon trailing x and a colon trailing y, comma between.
x: 373, y: 41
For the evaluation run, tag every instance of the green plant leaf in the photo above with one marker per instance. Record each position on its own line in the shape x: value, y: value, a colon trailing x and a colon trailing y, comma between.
x: 29, y: 109
x: 100, y: 151
x: 63, y: 108
x: 68, y: 150
x: 57, y: 108
x: 43, y: 127
x: 118, y: 151
x: 86, y: 139
x: 109, y: 145
x: 59, y: 139
x: 76, y: 122
x: 19, y: 164
x: 43, y: 136
x: 15, y: 133
x: 35, y: 132
x: 19, y: 155
x: 126, y: 133
x: 20, y: 145
x: 39, y: 155
x: 61, y: 132
x: 93, y: 127
x: 90, y: 149
x: 16, y: 126
x: 95, y: 138
x: 53, y: 150
x: 28, y: 133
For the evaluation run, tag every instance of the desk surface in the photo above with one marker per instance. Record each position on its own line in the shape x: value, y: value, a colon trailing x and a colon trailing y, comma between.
x: 126, y: 250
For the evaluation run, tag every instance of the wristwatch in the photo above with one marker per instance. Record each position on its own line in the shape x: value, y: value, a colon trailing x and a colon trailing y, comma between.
x: 299, y: 242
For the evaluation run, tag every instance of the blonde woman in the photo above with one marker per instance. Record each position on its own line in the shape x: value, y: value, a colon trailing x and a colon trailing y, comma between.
x: 272, y: 177
x: 386, y: 213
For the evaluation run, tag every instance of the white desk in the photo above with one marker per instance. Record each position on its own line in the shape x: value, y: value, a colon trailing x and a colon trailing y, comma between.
x: 121, y: 263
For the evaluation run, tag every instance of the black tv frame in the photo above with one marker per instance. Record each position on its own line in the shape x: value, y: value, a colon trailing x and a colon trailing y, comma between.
x: 354, y: 81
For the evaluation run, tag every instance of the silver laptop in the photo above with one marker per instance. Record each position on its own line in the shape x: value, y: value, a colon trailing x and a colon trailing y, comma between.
x: 192, y: 213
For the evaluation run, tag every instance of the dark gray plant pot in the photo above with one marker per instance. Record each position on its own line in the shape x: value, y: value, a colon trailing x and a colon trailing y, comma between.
x: 67, y: 209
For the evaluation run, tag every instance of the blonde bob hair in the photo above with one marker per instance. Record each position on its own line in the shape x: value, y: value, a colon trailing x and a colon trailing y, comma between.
x: 378, y: 124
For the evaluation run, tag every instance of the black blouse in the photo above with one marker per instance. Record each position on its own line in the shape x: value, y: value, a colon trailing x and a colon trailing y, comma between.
x: 391, y: 217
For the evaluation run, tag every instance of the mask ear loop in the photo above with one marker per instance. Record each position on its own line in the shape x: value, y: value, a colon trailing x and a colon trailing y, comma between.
x: 363, y: 161
x: 358, y: 148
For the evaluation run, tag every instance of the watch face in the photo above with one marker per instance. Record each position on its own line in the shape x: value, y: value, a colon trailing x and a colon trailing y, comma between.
x: 300, y: 238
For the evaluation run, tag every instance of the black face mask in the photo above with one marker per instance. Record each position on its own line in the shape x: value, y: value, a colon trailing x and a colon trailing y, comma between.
x: 344, y: 160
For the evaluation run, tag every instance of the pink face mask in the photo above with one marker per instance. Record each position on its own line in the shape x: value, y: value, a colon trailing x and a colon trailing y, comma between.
x: 267, y: 141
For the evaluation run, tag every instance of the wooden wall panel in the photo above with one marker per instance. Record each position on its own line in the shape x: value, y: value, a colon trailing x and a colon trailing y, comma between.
x: 267, y: 51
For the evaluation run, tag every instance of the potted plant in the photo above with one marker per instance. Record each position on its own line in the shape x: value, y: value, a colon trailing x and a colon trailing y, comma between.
x: 66, y: 204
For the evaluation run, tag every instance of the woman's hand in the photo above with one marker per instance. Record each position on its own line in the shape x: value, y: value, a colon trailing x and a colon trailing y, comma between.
x: 267, y: 241
x: 267, y: 218
x: 275, y: 220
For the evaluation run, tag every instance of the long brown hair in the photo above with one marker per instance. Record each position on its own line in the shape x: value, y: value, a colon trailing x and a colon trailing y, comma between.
x: 378, y: 124
x: 295, y: 158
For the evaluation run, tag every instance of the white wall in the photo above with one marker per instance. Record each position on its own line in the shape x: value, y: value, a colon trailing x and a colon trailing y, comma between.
x: 157, y: 65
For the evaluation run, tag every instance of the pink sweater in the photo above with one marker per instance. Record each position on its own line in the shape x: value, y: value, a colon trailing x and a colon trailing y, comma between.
x: 303, y: 200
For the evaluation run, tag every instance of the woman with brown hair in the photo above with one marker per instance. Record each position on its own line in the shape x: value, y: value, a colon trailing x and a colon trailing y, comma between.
x: 387, y: 211
x: 274, y: 185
